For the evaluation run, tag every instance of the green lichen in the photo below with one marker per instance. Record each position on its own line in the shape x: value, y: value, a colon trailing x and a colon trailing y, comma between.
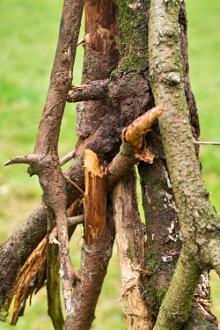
x: 160, y: 294
x: 132, y: 41
x: 3, y: 315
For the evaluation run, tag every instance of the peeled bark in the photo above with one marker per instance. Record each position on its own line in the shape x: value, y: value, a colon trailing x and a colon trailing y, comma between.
x: 129, y: 232
x: 97, y: 248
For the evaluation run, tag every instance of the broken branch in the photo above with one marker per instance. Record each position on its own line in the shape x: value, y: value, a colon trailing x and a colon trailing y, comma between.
x: 94, y: 90
x: 132, y: 147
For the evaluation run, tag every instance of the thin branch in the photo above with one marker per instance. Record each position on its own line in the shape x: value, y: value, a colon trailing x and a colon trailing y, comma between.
x: 45, y: 161
x: 66, y: 158
x: 74, y: 184
x: 27, y: 159
x: 214, y: 143
x: 76, y: 220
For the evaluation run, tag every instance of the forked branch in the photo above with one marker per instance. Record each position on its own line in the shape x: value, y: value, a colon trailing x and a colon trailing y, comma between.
x: 45, y: 161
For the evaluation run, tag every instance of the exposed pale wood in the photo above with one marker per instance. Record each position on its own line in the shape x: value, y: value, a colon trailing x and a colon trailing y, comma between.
x: 130, y: 248
x: 135, y: 132
x: 95, y: 200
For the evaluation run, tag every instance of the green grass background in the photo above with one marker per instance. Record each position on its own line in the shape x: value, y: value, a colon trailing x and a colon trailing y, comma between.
x: 28, y: 34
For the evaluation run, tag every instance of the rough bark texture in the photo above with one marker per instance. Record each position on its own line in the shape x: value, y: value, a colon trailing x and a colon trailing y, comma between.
x: 163, y: 243
x: 127, y: 97
x: 130, y: 239
x: 101, y: 57
x: 97, y: 249
x: 198, y: 220
x: 15, y: 251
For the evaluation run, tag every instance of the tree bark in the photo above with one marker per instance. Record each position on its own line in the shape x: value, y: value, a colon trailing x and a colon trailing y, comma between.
x: 130, y: 240
x: 124, y: 96
x: 195, y: 211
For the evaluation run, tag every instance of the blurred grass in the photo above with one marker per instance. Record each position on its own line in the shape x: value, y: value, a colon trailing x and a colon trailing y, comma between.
x: 28, y: 34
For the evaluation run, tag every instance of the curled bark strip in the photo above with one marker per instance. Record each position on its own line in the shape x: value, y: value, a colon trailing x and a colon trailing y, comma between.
x: 129, y: 231
x: 27, y: 281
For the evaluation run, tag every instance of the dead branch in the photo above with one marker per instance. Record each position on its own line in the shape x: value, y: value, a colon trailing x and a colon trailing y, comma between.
x: 135, y: 132
x: 32, y: 275
x: 132, y: 148
x: 44, y: 161
x: 97, y: 247
x: 53, y: 286
x: 34, y: 230
x: 65, y: 159
x: 94, y: 90
x: 129, y: 231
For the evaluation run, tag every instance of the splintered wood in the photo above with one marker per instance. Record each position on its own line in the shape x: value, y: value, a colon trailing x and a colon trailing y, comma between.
x: 134, y: 133
x: 29, y: 279
x: 95, y: 200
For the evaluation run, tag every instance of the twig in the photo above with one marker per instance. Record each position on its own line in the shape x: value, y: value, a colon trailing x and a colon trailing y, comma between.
x: 74, y: 184
x: 76, y: 220
x: 214, y: 143
x: 66, y: 158
x: 80, y: 42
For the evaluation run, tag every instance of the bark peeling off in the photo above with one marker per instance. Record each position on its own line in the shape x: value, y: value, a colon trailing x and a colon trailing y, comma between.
x: 97, y: 135
x: 95, y: 200
x: 94, y: 262
x: 129, y: 231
